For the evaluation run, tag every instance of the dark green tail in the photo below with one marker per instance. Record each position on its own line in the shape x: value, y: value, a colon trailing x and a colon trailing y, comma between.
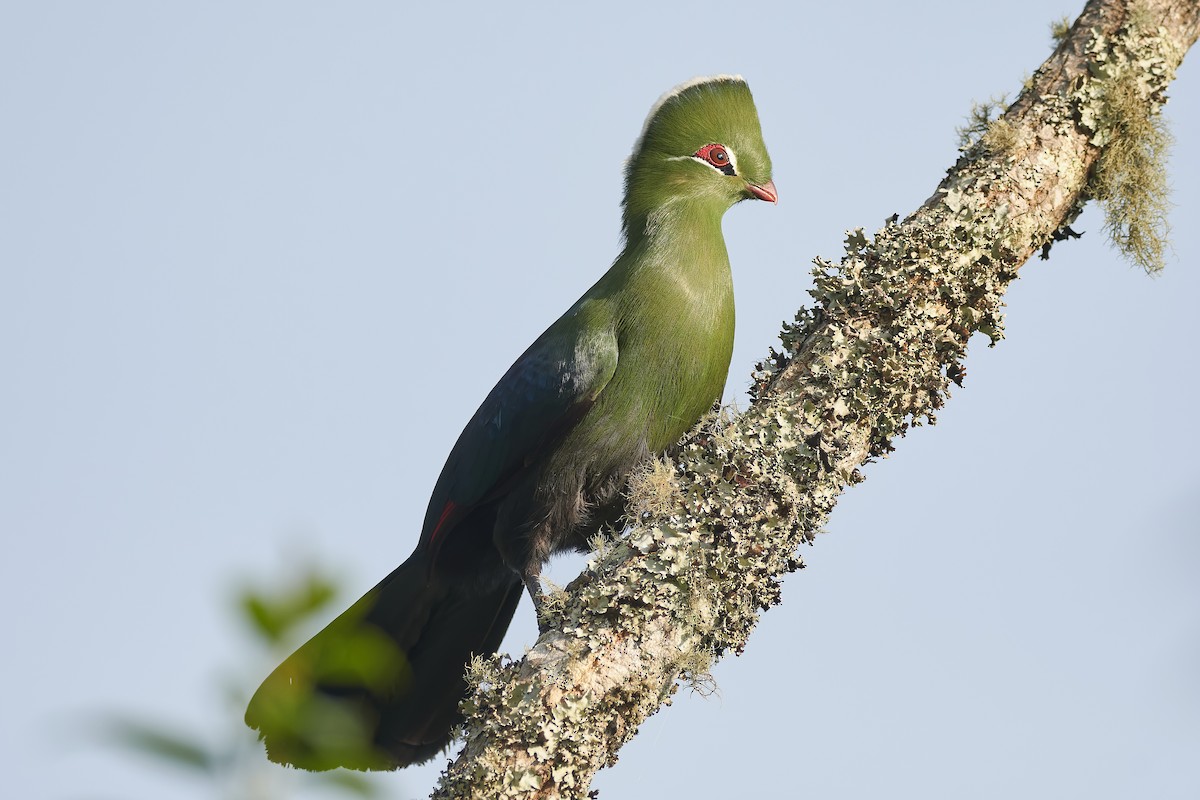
x: 379, y: 687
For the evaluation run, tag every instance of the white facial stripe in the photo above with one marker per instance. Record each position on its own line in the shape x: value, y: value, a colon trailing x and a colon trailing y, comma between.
x: 729, y: 150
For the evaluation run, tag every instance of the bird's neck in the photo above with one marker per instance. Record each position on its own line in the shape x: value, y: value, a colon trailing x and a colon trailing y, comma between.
x: 682, y: 237
x: 674, y: 269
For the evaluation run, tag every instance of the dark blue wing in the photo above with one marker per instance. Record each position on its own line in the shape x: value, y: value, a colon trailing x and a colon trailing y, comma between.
x: 537, y: 402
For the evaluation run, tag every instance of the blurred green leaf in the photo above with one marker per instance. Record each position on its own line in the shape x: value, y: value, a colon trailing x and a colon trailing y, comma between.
x: 160, y: 743
x: 273, y: 614
x: 261, y: 617
x: 353, y: 782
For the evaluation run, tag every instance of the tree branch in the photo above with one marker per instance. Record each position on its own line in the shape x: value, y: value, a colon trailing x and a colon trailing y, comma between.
x: 718, y: 527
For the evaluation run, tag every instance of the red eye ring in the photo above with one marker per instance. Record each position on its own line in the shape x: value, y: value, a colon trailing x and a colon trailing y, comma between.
x: 717, y: 157
x: 714, y: 154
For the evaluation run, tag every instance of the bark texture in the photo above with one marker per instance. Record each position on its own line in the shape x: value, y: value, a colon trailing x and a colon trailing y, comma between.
x: 717, y: 527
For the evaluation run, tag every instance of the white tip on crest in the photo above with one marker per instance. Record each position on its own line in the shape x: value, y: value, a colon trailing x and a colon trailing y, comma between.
x: 637, y: 145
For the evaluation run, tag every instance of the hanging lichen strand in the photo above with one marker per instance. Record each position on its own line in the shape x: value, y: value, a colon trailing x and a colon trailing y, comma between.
x: 1121, y: 104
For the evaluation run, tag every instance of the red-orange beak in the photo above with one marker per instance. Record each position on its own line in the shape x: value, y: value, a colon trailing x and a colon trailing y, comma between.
x: 764, y: 192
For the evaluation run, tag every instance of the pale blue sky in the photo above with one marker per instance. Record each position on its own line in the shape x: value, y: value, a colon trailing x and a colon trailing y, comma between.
x: 259, y: 262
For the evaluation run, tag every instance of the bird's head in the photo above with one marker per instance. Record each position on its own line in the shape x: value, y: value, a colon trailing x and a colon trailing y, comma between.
x: 701, y: 143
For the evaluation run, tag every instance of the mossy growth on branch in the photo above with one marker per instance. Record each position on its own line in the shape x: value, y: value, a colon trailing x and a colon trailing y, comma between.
x: 1059, y: 29
x: 984, y: 126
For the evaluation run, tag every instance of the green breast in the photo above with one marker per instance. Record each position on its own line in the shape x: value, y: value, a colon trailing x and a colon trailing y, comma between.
x: 670, y: 299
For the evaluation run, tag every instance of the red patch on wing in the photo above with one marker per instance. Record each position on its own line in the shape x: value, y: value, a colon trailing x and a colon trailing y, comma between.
x: 447, y: 511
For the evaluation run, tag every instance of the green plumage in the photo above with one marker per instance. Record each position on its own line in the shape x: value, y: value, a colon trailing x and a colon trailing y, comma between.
x: 625, y: 372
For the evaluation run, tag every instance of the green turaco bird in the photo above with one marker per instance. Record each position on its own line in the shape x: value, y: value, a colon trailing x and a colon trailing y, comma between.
x: 541, y: 466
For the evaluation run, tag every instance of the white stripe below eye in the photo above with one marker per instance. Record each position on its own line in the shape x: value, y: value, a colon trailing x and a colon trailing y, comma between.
x: 732, y: 161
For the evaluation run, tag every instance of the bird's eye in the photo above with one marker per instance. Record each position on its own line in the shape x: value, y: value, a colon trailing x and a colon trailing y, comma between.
x: 717, y: 156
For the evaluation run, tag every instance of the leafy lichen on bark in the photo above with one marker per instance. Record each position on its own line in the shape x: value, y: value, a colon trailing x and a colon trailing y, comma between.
x: 717, y: 527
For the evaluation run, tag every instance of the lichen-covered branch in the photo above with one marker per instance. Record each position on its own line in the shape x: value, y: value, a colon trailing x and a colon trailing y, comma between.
x: 716, y: 528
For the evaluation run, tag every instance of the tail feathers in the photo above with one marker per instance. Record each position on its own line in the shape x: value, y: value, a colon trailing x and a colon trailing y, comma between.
x: 416, y: 726
x: 379, y: 687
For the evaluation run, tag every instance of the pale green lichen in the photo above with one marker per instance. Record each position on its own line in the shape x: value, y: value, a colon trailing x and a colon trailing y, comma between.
x: 652, y: 489
x: 1000, y: 138
x: 1120, y: 103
